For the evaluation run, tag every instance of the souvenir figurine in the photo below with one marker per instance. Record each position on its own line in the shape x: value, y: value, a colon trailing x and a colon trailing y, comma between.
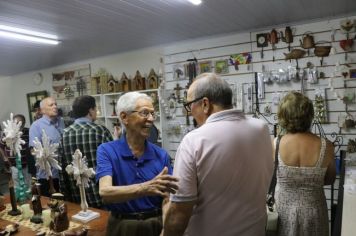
x: 60, y: 221
x: 10, y: 229
x: 36, y: 202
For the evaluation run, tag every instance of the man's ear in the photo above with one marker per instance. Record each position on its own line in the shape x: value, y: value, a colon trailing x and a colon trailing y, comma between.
x: 207, y: 106
x: 123, y: 116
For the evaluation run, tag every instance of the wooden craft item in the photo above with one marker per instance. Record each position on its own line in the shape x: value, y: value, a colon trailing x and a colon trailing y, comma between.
x: 60, y: 221
x: 295, y: 54
x: 112, y: 85
x: 95, y: 85
x: 36, y: 202
x: 262, y: 41
x: 125, y: 83
x: 177, y: 90
x: 287, y: 37
x: 113, y: 104
x: 273, y: 39
x: 152, y: 80
x: 139, y: 81
x: 10, y: 229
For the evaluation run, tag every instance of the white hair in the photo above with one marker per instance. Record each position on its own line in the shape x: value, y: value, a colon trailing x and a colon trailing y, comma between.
x: 127, y: 102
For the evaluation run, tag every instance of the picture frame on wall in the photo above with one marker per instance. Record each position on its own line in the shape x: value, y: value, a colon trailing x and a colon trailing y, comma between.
x: 205, y: 67
x: 221, y: 67
x: 32, y: 98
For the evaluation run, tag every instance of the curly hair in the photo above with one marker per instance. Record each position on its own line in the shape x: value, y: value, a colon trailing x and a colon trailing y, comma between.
x: 295, y: 113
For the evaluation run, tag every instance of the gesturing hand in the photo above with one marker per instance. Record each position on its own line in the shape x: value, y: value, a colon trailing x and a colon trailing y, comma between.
x: 161, y: 185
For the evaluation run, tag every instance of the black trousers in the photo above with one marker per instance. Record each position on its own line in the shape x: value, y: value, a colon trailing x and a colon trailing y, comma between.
x: 45, y: 186
x: 124, y: 227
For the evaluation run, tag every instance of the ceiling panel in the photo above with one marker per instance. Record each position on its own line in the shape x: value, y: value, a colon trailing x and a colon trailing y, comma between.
x: 93, y: 28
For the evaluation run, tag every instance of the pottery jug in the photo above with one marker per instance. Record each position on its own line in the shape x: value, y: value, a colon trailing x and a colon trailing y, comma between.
x: 308, y: 41
x: 288, y: 35
x: 273, y: 37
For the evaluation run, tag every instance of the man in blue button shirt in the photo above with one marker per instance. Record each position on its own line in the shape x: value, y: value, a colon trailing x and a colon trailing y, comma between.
x: 134, y: 174
x: 53, y: 125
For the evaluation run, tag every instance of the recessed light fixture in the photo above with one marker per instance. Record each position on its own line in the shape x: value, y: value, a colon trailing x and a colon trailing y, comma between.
x: 28, y: 35
x: 195, y: 2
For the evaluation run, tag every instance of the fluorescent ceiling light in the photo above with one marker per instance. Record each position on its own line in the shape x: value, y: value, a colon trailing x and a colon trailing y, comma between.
x: 195, y: 2
x: 28, y: 35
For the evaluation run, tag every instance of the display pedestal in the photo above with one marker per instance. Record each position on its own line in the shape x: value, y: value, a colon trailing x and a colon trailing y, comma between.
x: 86, y: 216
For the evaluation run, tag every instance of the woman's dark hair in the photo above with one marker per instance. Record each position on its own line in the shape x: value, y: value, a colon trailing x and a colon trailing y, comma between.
x: 82, y: 105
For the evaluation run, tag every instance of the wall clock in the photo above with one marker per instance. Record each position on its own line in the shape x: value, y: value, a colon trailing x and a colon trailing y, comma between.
x: 37, y: 78
x: 261, y: 40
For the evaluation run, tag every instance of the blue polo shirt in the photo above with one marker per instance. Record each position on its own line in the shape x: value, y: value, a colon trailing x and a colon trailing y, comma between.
x: 116, y: 160
x: 54, y: 131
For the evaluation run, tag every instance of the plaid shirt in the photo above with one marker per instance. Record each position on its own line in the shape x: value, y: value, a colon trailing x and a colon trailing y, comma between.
x: 85, y: 136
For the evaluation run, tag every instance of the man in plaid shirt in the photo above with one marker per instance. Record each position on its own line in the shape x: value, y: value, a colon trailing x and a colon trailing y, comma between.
x: 86, y: 136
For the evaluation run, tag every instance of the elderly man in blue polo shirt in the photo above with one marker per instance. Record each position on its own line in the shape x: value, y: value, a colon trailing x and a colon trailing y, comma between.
x: 53, y: 126
x: 133, y: 173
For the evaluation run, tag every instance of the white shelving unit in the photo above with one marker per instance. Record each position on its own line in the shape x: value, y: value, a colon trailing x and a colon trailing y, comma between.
x: 106, y: 109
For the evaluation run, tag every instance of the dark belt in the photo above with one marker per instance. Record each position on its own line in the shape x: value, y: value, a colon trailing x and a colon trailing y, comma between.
x: 137, y: 215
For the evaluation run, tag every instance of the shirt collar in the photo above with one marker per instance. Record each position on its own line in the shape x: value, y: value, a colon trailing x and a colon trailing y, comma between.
x: 230, y: 114
x: 148, y: 153
x: 83, y: 120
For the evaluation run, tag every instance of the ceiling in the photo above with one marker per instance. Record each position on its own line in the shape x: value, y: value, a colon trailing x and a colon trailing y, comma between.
x: 93, y: 28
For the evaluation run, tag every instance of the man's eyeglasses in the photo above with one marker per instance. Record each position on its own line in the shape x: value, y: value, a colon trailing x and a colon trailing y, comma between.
x: 188, y: 105
x: 146, y: 114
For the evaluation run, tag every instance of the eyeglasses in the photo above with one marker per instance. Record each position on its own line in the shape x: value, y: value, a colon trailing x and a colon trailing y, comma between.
x: 146, y: 114
x: 188, y: 105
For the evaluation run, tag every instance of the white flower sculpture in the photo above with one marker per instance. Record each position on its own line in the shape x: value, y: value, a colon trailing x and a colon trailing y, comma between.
x: 45, y: 153
x: 13, y: 135
x: 79, y: 169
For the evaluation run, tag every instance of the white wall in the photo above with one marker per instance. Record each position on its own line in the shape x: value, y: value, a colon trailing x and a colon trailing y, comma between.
x: 5, y: 93
x: 13, y: 90
x: 223, y: 46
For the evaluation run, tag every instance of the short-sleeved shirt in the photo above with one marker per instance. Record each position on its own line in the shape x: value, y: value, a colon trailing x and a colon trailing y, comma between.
x: 86, y: 136
x: 225, y: 166
x: 115, y: 159
x: 54, y: 130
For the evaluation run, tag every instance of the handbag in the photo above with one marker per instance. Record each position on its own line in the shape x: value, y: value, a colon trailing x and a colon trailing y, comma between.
x: 272, y: 214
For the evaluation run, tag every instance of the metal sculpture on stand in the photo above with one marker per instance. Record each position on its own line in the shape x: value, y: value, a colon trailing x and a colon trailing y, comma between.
x: 45, y: 154
x: 81, y: 173
x: 13, y: 142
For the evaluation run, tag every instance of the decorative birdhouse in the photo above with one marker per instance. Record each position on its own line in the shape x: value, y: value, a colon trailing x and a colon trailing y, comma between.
x: 152, y: 80
x: 112, y: 85
x: 139, y: 82
x: 125, y: 83
x: 95, y: 85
